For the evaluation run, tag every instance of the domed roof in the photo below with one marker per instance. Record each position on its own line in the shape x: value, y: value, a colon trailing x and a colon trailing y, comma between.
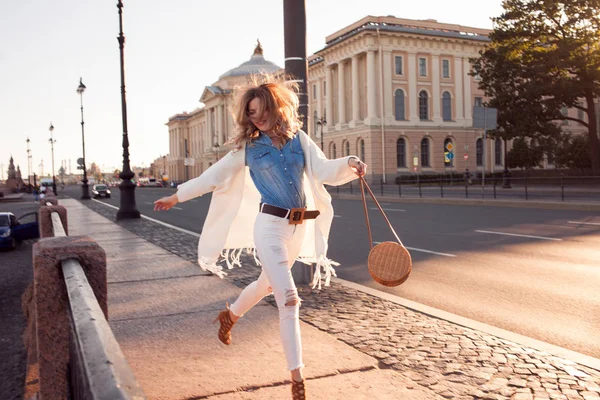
x: 255, y: 65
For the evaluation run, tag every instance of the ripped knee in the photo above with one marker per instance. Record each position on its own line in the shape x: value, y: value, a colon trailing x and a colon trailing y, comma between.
x: 291, y: 298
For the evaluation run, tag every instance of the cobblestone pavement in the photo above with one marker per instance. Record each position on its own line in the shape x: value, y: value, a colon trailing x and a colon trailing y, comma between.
x: 452, y: 361
x: 16, y: 273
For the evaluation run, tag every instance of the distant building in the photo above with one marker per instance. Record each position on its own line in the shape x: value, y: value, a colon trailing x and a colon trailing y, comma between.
x: 197, y: 138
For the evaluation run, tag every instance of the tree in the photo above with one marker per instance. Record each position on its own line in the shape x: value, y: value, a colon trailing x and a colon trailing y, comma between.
x: 525, y: 155
x: 573, y: 152
x: 544, y: 56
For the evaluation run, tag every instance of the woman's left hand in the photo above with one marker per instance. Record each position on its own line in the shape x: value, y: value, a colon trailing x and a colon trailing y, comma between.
x: 359, y: 167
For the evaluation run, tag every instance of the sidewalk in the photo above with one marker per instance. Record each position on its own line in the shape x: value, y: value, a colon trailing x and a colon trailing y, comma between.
x: 356, y: 345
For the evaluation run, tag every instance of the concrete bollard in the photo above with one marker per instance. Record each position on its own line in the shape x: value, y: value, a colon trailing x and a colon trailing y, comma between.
x: 49, y: 199
x: 51, y: 304
x: 45, y: 220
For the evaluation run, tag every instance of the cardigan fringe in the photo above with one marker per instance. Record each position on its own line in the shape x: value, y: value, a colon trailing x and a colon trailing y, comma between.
x: 232, y: 257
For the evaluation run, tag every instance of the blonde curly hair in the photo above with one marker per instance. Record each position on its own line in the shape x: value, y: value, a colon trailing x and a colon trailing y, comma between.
x: 278, y: 98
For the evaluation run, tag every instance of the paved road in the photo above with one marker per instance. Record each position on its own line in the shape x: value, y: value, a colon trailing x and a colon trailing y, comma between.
x: 533, y: 272
x: 16, y: 273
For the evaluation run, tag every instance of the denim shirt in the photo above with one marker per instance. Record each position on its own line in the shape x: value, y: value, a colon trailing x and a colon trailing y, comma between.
x: 277, y: 174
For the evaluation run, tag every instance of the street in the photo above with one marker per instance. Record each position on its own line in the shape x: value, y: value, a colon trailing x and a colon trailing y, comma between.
x: 529, y: 271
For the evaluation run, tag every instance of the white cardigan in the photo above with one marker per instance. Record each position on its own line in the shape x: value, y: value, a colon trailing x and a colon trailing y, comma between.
x: 228, y: 228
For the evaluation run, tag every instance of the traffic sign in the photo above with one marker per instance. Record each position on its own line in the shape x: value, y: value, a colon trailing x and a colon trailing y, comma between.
x: 450, y: 155
x: 466, y: 157
x: 80, y: 161
x: 449, y: 146
x: 416, y: 161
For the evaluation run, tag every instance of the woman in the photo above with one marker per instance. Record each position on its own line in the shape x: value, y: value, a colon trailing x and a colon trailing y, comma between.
x: 288, y: 171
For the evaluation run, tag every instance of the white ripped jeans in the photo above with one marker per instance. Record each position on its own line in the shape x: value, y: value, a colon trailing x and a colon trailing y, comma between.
x: 278, y: 244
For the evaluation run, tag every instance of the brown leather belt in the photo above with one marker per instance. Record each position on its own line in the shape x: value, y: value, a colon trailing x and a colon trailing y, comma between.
x: 295, y: 215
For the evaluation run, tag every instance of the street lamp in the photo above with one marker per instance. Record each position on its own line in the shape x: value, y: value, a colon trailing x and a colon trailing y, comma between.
x: 216, y: 149
x: 52, y: 141
x: 28, y: 162
x: 127, y: 207
x: 320, y: 123
x: 85, y: 189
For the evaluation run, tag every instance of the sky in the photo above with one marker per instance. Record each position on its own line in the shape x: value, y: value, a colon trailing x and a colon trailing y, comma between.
x: 173, y: 49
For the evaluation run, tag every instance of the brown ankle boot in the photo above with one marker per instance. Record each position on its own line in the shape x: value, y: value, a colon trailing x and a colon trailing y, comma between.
x: 298, y: 390
x: 226, y: 324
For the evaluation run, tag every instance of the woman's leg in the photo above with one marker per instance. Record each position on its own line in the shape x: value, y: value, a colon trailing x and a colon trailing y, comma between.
x: 278, y: 243
x: 250, y: 296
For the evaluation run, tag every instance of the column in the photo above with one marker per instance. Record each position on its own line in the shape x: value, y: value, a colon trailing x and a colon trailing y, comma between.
x: 328, y: 96
x: 435, y: 93
x: 412, y: 89
x: 459, y: 90
x: 355, y: 93
x: 468, y: 94
x: 371, y: 89
x: 388, y: 96
x: 341, y: 97
x: 220, y: 125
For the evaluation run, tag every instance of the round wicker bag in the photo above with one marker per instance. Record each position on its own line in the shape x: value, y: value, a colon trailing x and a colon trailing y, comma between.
x: 389, y: 263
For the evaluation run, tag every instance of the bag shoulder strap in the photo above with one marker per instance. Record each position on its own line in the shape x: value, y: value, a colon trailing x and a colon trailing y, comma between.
x: 363, y: 185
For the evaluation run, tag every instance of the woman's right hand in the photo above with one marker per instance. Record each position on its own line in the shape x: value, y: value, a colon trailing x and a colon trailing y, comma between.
x: 166, y: 203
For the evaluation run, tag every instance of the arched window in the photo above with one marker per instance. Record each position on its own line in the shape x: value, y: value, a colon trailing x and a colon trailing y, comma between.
x: 399, y: 104
x: 361, y: 149
x: 332, y: 153
x: 498, y: 151
x: 448, y: 153
x: 401, y: 153
x: 423, y: 106
x: 425, y: 153
x: 447, y: 106
x: 479, y: 152
x: 346, y: 148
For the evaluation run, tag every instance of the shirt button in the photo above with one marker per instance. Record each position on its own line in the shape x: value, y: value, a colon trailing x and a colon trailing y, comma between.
x: 290, y: 182
x: 285, y: 169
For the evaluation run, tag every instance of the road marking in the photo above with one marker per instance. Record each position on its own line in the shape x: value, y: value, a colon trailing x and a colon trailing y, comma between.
x: 177, y: 208
x: 519, y: 235
x: 149, y: 202
x: 155, y: 220
x: 388, y: 209
x: 426, y: 251
x: 584, y: 223
x: 337, y: 216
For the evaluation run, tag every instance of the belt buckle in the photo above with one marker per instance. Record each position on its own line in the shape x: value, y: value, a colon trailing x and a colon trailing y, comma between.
x: 296, y: 216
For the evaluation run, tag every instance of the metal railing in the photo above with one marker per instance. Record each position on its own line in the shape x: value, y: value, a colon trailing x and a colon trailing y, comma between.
x: 584, y: 189
x: 98, y: 369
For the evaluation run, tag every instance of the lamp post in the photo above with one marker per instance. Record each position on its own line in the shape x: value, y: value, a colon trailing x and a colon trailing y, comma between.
x: 28, y: 162
x: 85, y: 189
x: 127, y: 207
x: 52, y: 141
x: 320, y: 123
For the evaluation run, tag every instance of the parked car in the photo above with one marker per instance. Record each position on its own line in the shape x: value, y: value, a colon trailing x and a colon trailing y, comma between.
x: 13, y: 230
x: 100, y: 191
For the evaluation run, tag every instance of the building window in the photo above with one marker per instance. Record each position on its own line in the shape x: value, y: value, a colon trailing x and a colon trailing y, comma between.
x: 346, y: 148
x: 448, y: 153
x: 324, y: 88
x: 498, y: 151
x: 398, y: 63
x: 447, y: 106
x: 479, y: 152
x: 425, y: 152
x: 423, y: 106
x: 314, y: 91
x: 422, y: 66
x: 478, y: 102
x: 332, y: 152
x: 401, y: 153
x: 446, y: 69
x: 399, y: 105
x: 361, y: 149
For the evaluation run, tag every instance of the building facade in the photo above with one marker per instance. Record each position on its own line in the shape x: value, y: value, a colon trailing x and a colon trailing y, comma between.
x: 398, y: 93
